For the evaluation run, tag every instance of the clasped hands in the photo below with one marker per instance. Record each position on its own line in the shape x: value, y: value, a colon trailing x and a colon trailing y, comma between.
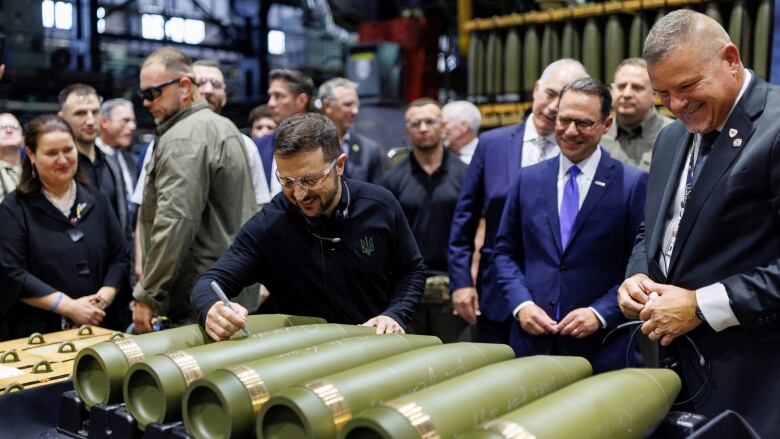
x: 670, y: 315
x: 579, y: 323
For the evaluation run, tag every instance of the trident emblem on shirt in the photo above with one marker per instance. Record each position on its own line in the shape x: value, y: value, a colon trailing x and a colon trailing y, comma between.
x: 367, y: 245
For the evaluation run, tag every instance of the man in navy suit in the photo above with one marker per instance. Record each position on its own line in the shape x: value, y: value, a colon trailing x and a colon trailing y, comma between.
x: 711, y: 246
x: 289, y: 92
x: 566, y: 235
x: 499, y: 155
x: 340, y: 103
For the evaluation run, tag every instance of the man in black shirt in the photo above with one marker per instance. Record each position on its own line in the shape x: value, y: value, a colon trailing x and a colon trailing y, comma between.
x: 80, y: 108
x: 328, y: 247
x: 426, y: 184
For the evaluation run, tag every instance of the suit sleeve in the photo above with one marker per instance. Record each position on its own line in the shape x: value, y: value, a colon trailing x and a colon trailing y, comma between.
x: 755, y: 294
x: 375, y: 164
x: 408, y: 263
x: 509, y: 249
x: 119, y: 254
x: 465, y: 221
x: 240, y: 267
x: 607, y: 305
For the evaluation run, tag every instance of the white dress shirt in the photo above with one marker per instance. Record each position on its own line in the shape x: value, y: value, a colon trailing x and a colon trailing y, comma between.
x: 467, y: 151
x: 532, y: 153
x: 713, y: 300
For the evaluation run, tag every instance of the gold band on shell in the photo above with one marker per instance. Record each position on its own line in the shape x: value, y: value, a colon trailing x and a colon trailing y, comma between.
x: 187, y: 364
x: 508, y: 430
x: 253, y: 384
x: 130, y: 350
x: 333, y: 400
x: 420, y: 420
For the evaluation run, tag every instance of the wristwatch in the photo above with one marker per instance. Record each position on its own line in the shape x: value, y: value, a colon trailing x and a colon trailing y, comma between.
x: 700, y: 315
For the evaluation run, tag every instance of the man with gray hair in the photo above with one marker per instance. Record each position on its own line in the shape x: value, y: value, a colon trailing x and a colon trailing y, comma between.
x: 117, y: 125
x: 197, y: 194
x: 707, y: 266
x: 340, y: 103
x: 11, y: 141
x: 637, y: 124
x: 499, y: 155
x: 461, y: 121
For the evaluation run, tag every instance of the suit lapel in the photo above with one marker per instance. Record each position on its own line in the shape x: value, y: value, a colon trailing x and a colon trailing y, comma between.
x: 672, y: 181
x: 513, y: 151
x: 605, y: 172
x: 718, y: 163
x: 550, y: 194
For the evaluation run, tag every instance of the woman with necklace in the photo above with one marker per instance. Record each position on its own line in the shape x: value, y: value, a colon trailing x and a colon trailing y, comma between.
x: 61, y: 249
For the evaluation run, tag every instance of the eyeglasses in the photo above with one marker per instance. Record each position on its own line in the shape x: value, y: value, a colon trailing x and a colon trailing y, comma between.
x: 155, y: 91
x: 306, y: 182
x: 11, y: 126
x: 581, y: 124
x: 216, y: 84
x: 415, y: 125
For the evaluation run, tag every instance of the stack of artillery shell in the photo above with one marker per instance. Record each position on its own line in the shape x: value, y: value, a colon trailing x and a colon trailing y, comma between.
x: 225, y: 403
x: 462, y: 403
x: 153, y: 388
x: 320, y: 408
x: 623, y: 404
x: 99, y: 369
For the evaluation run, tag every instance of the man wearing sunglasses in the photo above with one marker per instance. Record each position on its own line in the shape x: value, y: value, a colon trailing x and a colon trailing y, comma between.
x: 197, y: 193
x: 330, y: 247
x: 565, y: 236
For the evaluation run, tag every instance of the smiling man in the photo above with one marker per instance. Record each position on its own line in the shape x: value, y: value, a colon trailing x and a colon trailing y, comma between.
x: 499, y: 155
x: 711, y: 248
x: 197, y: 193
x: 330, y: 247
x: 565, y: 236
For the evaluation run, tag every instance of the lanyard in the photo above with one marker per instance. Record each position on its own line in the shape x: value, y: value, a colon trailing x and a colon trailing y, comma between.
x: 688, y: 189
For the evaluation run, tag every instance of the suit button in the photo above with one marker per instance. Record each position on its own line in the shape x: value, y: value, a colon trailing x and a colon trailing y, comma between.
x: 552, y: 304
x: 562, y: 269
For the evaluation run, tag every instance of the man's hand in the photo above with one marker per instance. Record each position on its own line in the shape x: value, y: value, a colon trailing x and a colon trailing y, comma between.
x: 465, y: 303
x: 222, y: 323
x: 671, y: 315
x: 632, y: 295
x: 385, y: 325
x: 535, y: 321
x: 142, y: 317
x: 579, y: 323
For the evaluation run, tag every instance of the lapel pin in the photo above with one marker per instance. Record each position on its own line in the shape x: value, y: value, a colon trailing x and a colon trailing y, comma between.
x: 355, y: 147
x: 737, y: 143
x: 599, y: 183
x: 732, y: 132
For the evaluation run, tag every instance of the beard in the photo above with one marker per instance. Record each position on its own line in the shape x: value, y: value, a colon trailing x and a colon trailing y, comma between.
x: 169, y: 114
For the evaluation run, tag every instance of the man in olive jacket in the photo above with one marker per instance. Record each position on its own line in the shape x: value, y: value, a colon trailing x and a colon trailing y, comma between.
x: 198, y: 190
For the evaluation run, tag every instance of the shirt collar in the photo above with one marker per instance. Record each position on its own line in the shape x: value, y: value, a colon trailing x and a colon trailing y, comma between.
x: 587, y: 166
x: 107, y: 150
x: 745, y: 84
x: 530, y: 133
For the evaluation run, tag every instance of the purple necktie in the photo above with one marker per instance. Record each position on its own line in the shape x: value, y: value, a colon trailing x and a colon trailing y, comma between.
x: 569, y: 206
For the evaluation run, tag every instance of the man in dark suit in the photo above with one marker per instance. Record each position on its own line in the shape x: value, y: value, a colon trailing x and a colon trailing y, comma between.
x: 499, y: 155
x: 566, y: 234
x: 289, y: 92
x: 117, y: 125
x: 711, y: 246
x: 340, y: 103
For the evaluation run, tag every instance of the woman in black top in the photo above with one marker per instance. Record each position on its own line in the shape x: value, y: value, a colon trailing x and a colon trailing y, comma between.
x: 61, y: 249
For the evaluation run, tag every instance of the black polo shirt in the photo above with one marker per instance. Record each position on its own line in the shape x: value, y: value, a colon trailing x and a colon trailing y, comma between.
x: 374, y: 268
x: 100, y: 176
x: 429, y: 203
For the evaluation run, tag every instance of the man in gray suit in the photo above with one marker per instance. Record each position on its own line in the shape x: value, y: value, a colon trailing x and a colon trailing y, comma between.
x: 340, y: 103
x: 711, y: 248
